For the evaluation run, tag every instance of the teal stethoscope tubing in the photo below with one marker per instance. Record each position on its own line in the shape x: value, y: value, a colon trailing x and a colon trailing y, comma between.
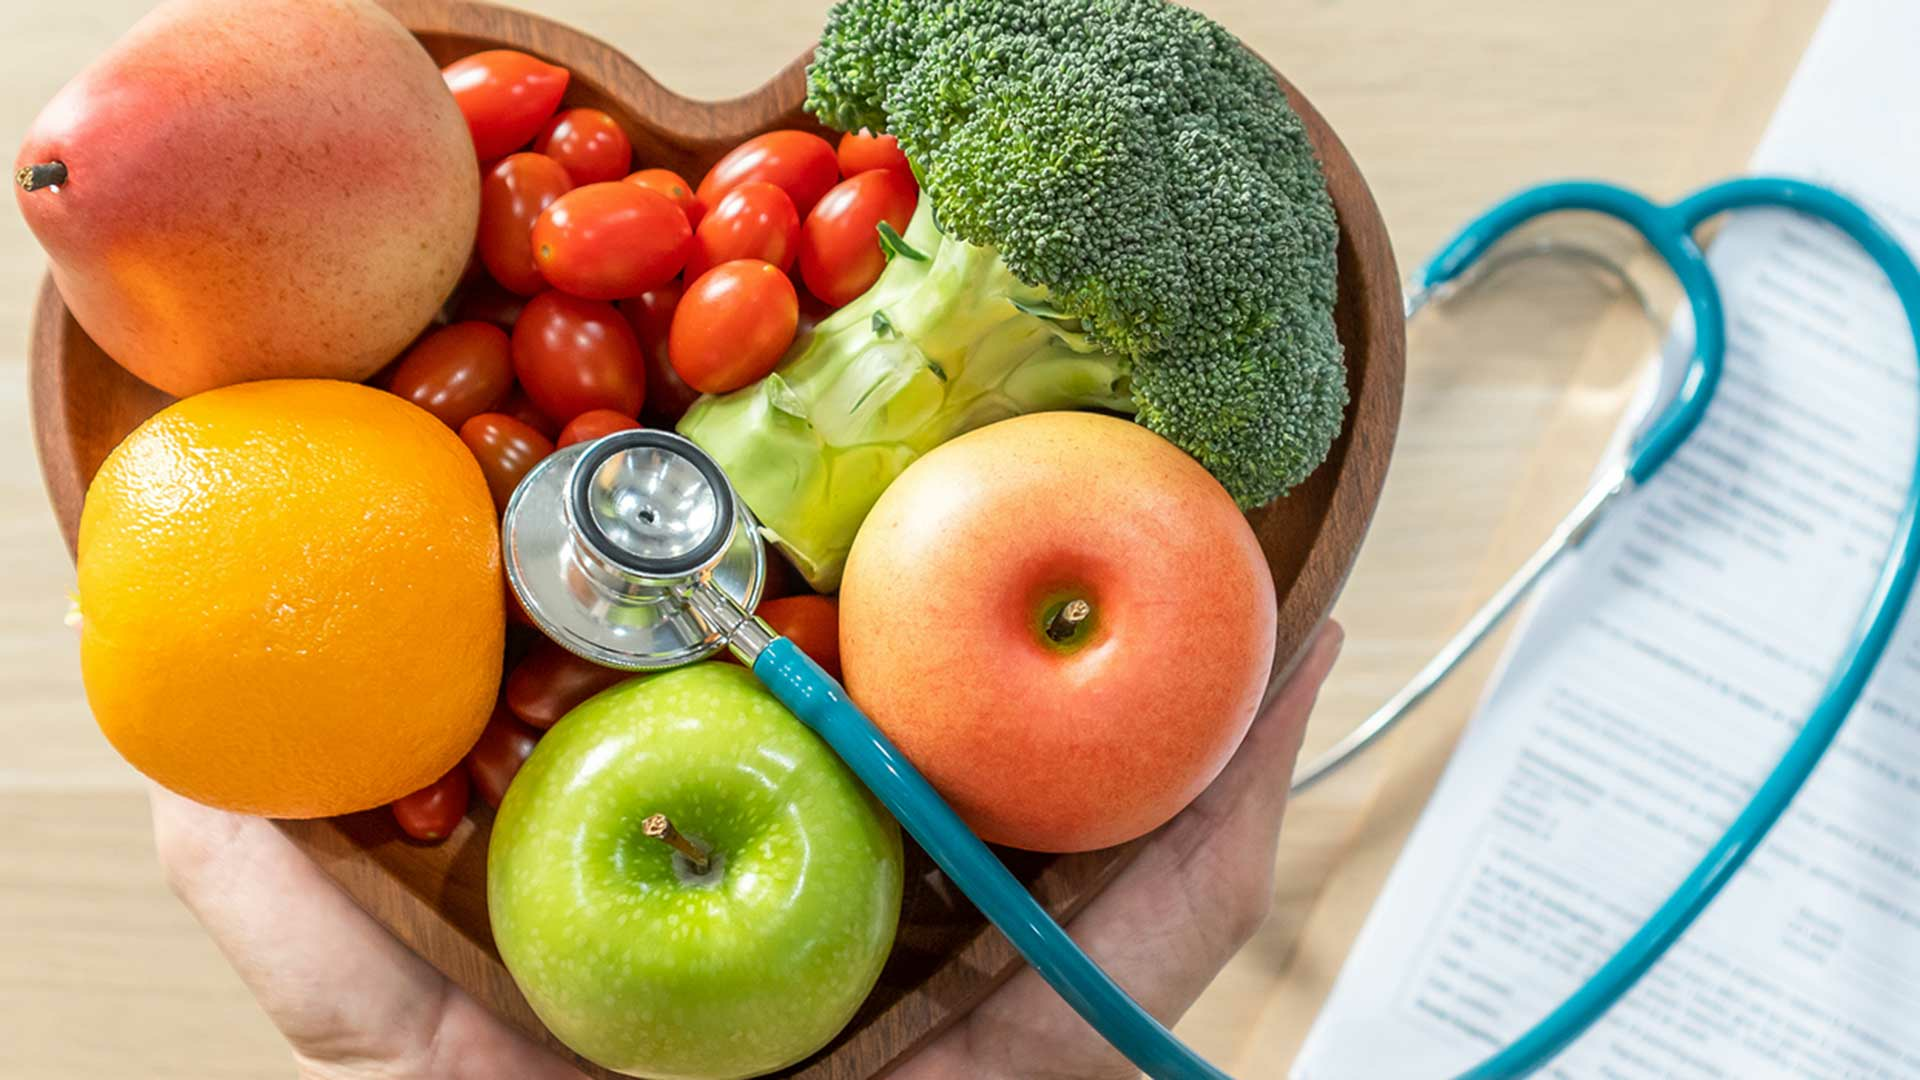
x: 1669, y: 229
x: 821, y: 703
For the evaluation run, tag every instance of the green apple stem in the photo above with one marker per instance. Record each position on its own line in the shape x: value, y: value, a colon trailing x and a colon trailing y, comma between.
x: 661, y: 829
x: 45, y: 174
x: 1068, y: 618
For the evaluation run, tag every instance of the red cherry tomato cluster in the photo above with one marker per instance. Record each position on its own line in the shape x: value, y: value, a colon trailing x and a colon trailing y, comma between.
x: 548, y: 682
x: 603, y: 297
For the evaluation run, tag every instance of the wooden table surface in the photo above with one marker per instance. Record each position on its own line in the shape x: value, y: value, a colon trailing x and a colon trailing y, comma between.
x: 1446, y: 104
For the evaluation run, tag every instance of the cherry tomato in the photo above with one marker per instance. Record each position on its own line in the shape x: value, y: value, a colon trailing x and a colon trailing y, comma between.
x: 502, y: 749
x: 810, y: 622
x: 651, y: 316
x: 457, y: 371
x: 840, y: 254
x: 797, y: 162
x: 383, y: 378
x: 547, y: 684
x: 506, y: 97
x: 522, y: 408
x: 607, y: 241
x: 651, y: 313
x: 506, y: 450
x: 669, y: 183
x: 589, y: 426
x: 486, y: 301
x: 753, y: 221
x: 782, y: 580
x: 589, y: 143
x: 512, y: 197
x: 733, y: 325
x: 862, y: 151
x: 476, y: 270
x: 431, y: 813
x: 574, y: 356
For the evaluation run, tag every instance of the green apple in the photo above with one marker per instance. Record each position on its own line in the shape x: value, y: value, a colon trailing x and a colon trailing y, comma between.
x: 631, y: 954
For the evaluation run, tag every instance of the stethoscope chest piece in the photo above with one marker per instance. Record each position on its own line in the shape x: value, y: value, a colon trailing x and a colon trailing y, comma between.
x: 612, y: 547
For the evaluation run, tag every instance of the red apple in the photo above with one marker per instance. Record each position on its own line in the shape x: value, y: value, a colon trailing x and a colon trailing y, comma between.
x: 1065, y: 622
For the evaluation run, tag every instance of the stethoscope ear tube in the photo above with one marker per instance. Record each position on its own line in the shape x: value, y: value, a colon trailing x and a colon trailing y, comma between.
x: 1669, y: 231
x: 1603, y: 495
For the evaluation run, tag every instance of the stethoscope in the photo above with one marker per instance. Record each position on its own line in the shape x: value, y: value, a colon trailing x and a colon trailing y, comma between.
x: 635, y: 552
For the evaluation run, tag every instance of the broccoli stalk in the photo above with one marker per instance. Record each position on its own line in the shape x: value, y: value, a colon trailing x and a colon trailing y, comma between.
x: 946, y: 341
x: 1118, y: 210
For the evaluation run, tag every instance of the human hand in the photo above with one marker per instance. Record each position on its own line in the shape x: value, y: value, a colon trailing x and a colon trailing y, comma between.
x: 353, y: 1002
x: 356, y: 1004
x: 1166, y: 926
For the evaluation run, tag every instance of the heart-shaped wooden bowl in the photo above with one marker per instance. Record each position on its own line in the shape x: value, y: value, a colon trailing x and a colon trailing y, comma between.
x: 946, y: 958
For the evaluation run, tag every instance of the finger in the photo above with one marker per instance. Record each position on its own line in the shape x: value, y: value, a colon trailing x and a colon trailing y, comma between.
x: 1176, y: 915
x: 336, y: 983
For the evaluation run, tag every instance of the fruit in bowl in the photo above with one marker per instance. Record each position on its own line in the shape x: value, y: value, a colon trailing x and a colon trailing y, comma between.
x: 253, y: 189
x: 290, y: 600
x: 1092, y: 627
x: 83, y: 405
x: 686, y: 882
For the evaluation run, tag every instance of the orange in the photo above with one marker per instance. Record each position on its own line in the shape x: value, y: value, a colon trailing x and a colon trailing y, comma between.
x: 290, y: 598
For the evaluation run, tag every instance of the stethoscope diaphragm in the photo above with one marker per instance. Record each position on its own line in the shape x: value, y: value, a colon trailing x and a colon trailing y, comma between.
x: 615, y: 549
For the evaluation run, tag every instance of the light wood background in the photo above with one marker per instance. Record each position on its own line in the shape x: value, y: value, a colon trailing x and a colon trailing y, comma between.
x: 1446, y: 104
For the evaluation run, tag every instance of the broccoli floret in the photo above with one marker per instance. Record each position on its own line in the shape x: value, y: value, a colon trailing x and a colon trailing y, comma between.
x: 1119, y: 210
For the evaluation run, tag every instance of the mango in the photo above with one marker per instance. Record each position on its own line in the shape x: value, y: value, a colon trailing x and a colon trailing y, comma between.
x: 253, y: 189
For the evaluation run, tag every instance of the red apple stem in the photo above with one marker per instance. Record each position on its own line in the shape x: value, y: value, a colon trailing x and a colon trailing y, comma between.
x: 1068, y: 618
x: 661, y: 829
x: 44, y: 175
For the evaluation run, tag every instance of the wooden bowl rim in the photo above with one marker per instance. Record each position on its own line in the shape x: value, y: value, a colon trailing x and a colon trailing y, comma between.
x: 1357, y: 467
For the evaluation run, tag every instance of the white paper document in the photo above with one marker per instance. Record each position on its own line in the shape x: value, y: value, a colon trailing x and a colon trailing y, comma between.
x: 1667, y: 665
